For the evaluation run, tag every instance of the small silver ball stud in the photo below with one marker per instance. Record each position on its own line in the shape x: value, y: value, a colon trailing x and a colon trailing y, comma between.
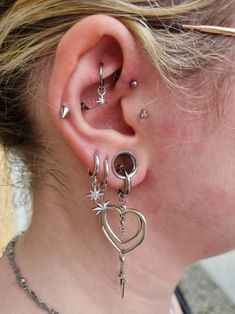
x: 134, y: 84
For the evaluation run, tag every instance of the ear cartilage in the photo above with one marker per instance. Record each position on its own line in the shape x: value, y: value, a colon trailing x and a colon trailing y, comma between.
x: 143, y: 114
x: 134, y: 84
x: 84, y: 106
x: 64, y: 111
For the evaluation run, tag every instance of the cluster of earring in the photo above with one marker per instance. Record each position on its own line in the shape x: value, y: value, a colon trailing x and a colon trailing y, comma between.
x: 64, y: 110
x: 103, y: 208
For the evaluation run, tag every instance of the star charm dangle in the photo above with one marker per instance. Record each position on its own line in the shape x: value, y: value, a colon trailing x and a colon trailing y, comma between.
x: 95, y: 194
x: 102, y: 101
x: 101, y: 207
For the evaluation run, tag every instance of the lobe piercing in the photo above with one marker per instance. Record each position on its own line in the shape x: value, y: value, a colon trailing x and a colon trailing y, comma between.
x: 64, y: 111
x: 143, y: 114
x: 101, y: 90
x: 134, y: 84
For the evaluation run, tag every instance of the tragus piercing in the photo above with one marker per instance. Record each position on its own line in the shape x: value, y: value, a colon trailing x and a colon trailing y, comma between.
x: 134, y: 84
x: 64, y: 111
x: 101, y: 90
x: 143, y: 114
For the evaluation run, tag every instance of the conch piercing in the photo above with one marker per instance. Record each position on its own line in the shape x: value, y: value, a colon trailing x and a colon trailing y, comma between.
x: 101, y: 90
x: 124, y: 166
x: 64, y: 111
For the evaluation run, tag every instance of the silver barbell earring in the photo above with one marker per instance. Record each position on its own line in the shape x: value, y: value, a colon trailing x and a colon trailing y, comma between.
x: 101, y: 90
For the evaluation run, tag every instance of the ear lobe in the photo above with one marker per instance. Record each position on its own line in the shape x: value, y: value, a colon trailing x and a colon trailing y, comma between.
x: 76, y: 77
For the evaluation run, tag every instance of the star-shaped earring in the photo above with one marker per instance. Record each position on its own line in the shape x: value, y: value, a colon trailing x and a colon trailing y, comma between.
x: 101, y: 207
x: 95, y: 194
x: 102, y: 101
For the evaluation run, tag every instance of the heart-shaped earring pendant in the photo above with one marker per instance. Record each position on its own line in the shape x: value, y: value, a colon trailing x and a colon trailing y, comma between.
x: 130, y: 243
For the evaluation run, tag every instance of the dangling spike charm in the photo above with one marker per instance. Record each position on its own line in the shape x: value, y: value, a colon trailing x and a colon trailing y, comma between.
x: 122, y: 274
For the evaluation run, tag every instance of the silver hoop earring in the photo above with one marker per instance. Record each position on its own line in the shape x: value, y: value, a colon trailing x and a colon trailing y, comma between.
x: 124, y: 166
x: 101, y: 90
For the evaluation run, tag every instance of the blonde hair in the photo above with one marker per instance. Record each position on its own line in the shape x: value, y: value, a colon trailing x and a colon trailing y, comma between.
x: 31, y: 30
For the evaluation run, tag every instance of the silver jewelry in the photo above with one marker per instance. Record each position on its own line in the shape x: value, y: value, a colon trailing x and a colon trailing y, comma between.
x: 122, y: 244
x: 101, y: 90
x: 134, y: 84
x: 125, y: 167
x: 143, y: 114
x: 22, y: 281
x: 64, y: 111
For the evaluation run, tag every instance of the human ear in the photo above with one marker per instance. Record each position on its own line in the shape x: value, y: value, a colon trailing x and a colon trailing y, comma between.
x: 76, y: 77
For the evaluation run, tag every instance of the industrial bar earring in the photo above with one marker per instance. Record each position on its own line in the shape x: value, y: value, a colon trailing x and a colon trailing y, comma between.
x: 101, y: 90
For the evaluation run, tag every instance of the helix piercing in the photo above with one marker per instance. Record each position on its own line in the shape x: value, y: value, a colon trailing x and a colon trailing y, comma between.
x: 64, y: 111
x: 101, y: 90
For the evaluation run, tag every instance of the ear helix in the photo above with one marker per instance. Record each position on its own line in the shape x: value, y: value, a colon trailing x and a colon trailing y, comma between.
x: 65, y: 110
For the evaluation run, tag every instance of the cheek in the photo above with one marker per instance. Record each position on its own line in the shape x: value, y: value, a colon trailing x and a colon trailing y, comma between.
x: 194, y: 179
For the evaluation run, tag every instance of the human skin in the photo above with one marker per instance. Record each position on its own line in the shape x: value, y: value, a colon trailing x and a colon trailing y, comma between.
x: 184, y: 185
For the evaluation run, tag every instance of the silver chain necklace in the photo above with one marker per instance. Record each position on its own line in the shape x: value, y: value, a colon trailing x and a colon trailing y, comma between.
x: 22, y: 281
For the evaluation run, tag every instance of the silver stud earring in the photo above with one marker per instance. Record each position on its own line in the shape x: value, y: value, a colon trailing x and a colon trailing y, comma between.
x: 64, y: 111
x: 143, y: 114
x: 101, y: 90
x: 134, y: 84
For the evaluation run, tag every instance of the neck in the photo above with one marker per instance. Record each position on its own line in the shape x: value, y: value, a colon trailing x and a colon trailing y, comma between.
x: 70, y: 264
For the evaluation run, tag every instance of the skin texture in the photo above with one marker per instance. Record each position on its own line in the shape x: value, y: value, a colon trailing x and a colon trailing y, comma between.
x: 184, y: 184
